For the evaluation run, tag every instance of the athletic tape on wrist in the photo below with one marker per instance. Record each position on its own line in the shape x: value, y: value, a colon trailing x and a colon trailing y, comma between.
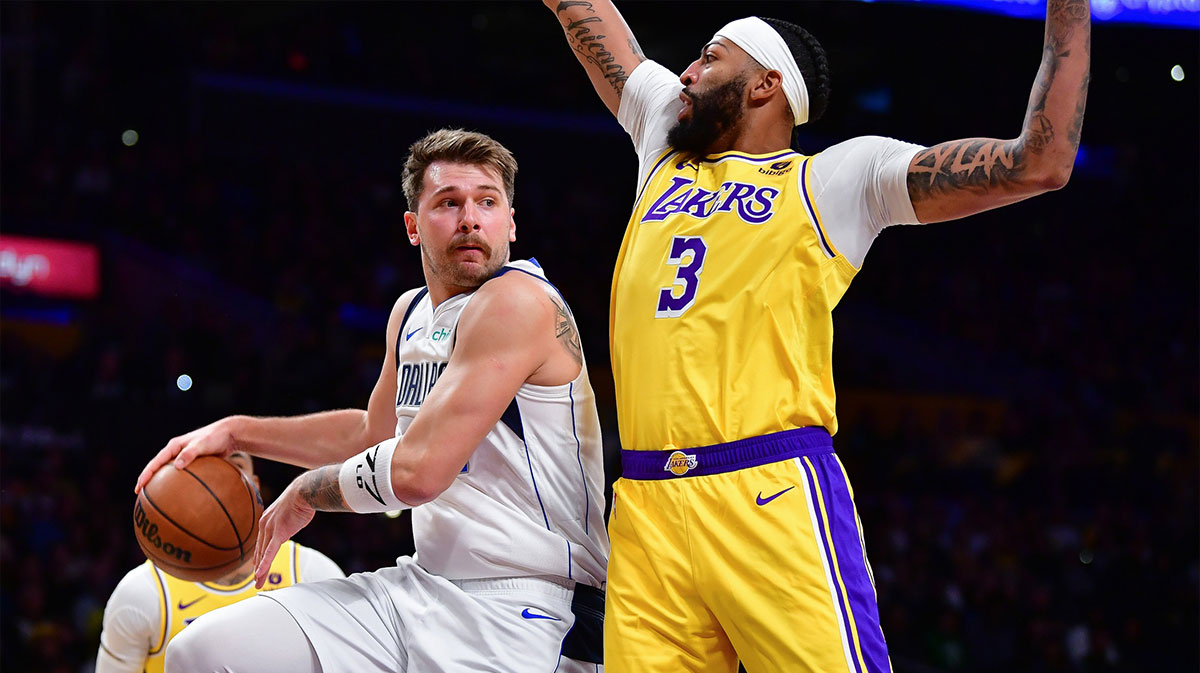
x: 366, y: 480
x: 765, y: 45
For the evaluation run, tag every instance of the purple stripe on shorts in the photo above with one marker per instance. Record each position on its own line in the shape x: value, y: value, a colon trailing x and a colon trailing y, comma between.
x: 823, y: 536
x: 852, y: 564
x: 721, y: 458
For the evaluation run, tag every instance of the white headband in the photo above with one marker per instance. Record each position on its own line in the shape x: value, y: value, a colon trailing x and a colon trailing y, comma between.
x: 766, y: 45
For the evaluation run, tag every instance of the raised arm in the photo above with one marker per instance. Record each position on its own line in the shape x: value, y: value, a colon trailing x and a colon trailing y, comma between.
x: 963, y: 177
x: 602, y: 42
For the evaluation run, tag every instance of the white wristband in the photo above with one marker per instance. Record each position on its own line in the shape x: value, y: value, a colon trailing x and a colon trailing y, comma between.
x: 366, y: 480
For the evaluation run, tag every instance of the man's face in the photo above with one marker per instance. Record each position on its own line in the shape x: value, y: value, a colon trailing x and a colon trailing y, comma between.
x: 713, y: 96
x: 463, y: 223
x: 243, y: 462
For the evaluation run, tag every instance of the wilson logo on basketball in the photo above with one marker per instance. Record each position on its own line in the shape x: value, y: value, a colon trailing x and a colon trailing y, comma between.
x: 149, y: 531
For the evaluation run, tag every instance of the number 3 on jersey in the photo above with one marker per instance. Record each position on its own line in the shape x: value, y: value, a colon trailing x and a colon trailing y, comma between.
x: 687, y: 277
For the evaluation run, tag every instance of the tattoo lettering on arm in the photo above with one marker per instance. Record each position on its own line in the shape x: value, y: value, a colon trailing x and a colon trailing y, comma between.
x: 974, y: 164
x: 961, y: 177
x: 565, y: 331
x: 585, y: 38
x: 321, y: 490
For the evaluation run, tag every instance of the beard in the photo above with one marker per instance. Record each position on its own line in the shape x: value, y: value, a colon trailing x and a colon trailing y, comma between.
x: 714, y: 113
x: 460, y: 274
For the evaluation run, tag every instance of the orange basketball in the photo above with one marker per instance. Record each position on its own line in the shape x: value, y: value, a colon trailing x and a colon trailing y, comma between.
x: 199, y: 523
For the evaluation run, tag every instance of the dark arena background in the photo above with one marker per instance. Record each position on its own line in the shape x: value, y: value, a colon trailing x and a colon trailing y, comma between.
x: 1018, y: 391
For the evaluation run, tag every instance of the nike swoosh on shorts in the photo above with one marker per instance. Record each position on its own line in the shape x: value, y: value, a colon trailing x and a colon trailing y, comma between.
x: 533, y: 615
x: 762, y: 501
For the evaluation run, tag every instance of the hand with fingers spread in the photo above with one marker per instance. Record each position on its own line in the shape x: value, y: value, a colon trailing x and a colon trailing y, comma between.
x: 284, y: 518
x: 214, y: 439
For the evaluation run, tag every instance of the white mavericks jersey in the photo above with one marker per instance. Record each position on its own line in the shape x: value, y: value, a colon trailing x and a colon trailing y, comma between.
x: 530, y: 501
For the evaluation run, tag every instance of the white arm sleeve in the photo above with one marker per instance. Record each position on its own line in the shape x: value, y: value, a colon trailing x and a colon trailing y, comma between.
x: 315, y: 566
x: 861, y: 186
x: 131, y: 621
x: 649, y: 107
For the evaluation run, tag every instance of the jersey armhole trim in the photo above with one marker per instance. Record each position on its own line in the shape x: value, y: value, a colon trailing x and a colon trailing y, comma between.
x: 667, y: 154
x: 810, y: 206
x: 412, y: 305
x: 163, y: 610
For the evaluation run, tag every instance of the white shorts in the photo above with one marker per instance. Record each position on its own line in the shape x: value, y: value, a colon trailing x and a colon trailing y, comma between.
x: 405, y: 619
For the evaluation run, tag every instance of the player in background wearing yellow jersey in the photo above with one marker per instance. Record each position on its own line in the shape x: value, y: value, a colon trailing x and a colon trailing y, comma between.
x: 149, y: 607
x: 734, y: 533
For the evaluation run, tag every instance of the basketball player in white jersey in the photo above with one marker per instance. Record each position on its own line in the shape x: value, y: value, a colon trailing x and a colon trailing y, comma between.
x: 483, y: 422
x: 149, y: 607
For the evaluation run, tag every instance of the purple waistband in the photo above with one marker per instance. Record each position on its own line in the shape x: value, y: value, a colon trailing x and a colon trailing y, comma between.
x: 719, y: 458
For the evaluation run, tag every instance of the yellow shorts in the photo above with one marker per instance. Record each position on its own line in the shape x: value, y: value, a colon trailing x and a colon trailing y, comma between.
x: 750, y: 550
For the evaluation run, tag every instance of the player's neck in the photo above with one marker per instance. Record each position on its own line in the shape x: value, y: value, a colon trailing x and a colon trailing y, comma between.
x: 755, y: 135
x: 238, y: 576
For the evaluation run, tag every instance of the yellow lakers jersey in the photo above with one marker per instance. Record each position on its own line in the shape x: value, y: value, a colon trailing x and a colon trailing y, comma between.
x: 181, y: 601
x: 721, y: 318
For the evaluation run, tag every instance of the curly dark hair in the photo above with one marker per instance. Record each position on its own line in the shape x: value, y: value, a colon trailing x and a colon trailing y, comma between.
x: 813, y: 62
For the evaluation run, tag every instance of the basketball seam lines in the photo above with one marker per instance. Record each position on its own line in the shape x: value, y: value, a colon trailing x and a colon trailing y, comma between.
x: 255, y: 499
x: 181, y: 528
x: 236, y: 533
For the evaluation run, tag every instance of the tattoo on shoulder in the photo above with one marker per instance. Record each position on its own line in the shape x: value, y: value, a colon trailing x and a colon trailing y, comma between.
x: 586, y: 38
x: 320, y: 488
x: 565, y: 331
x: 975, y: 165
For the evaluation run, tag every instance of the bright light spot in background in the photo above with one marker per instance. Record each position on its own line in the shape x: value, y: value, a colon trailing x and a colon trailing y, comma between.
x: 1177, y: 73
x: 129, y: 137
x: 392, y: 514
x: 184, y: 382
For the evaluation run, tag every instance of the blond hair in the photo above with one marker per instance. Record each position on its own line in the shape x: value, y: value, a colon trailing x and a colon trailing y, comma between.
x: 460, y: 147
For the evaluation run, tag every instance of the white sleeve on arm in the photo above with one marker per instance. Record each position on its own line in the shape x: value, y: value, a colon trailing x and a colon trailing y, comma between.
x: 859, y: 187
x: 131, y: 621
x: 648, y: 109
x: 315, y: 566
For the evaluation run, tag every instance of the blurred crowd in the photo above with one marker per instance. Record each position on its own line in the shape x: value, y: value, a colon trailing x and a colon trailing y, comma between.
x: 1018, y: 392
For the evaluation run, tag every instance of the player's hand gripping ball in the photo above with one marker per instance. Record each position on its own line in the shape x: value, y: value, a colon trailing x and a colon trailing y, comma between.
x: 199, y: 523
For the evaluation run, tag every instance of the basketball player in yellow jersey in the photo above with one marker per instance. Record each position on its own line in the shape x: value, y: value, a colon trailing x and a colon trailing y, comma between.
x: 734, y: 533
x: 149, y: 607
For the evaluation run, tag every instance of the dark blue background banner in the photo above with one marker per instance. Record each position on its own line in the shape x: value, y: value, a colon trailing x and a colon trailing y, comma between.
x: 1176, y: 13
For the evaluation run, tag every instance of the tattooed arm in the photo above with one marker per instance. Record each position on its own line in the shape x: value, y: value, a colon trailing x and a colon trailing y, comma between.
x: 963, y: 177
x: 313, y: 491
x: 511, y: 333
x: 602, y: 42
x: 514, y: 331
